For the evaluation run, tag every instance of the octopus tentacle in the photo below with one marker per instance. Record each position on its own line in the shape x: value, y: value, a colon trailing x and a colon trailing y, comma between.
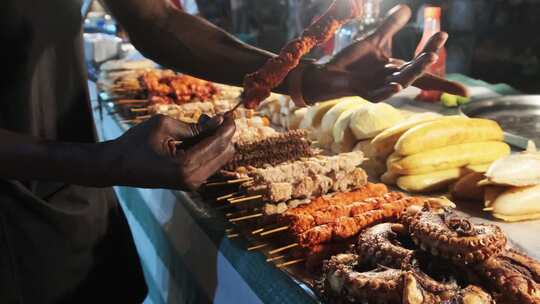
x: 388, y: 285
x: 513, y: 276
x: 381, y: 245
x: 444, y: 233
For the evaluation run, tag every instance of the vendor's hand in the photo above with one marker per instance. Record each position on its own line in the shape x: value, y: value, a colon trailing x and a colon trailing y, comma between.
x: 149, y: 157
x: 366, y: 70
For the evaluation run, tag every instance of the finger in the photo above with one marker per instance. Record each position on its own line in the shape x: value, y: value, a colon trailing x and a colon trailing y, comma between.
x: 204, y: 127
x: 385, y: 92
x: 203, y: 119
x: 394, y: 21
x: 193, y: 179
x: 397, y: 62
x: 413, y: 70
x: 218, y: 162
x: 432, y: 82
x: 336, y: 84
x: 212, y: 146
x: 435, y: 43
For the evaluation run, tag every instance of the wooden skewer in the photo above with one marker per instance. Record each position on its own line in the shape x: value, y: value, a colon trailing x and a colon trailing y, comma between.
x: 240, y: 213
x: 235, y: 198
x: 275, y: 230
x: 233, y: 235
x: 488, y: 209
x: 224, y: 197
x: 229, y: 182
x: 131, y: 121
x: 136, y: 110
x: 177, y: 142
x: 143, y: 117
x: 293, y: 262
x: 279, y: 257
x: 245, y: 199
x: 247, y: 217
x: 130, y: 101
x: 257, y: 231
x: 229, y: 230
x: 257, y: 247
x: 283, y: 248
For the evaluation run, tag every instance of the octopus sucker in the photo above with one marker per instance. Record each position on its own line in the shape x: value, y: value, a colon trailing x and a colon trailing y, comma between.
x: 386, y: 267
x: 452, y: 236
x: 380, y: 244
x: 432, y: 256
x: 513, y: 276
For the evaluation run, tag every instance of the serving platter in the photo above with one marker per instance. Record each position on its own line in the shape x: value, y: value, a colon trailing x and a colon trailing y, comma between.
x: 517, y: 114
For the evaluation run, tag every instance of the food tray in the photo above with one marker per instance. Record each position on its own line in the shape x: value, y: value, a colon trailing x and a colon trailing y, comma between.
x: 518, y: 115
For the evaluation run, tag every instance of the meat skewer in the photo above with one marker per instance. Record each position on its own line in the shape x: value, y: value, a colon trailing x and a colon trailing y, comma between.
x: 304, y: 178
x: 257, y: 86
x: 303, y: 222
x: 348, y: 226
x: 273, y: 150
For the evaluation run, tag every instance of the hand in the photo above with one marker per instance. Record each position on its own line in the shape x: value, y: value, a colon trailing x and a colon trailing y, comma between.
x: 149, y: 157
x: 366, y: 70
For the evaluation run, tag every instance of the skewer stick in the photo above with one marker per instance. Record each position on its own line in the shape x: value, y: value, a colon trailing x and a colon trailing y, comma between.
x: 233, y: 235
x: 275, y: 230
x: 257, y: 247
x: 224, y: 197
x: 131, y: 121
x: 229, y: 182
x: 129, y: 101
x: 279, y: 257
x: 235, y: 198
x: 245, y: 199
x: 240, y: 102
x: 136, y: 110
x: 488, y: 209
x: 293, y: 262
x: 247, y: 217
x: 143, y: 117
x: 229, y: 230
x: 257, y: 231
x: 283, y: 248
x: 236, y: 214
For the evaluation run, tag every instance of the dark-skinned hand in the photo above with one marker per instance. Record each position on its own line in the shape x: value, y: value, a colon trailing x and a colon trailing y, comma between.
x: 364, y: 68
x: 149, y: 155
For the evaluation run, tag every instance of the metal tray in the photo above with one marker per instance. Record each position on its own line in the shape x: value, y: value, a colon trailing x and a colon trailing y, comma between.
x: 518, y: 115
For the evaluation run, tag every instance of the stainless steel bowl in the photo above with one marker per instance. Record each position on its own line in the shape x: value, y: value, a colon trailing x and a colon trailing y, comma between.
x: 518, y: 115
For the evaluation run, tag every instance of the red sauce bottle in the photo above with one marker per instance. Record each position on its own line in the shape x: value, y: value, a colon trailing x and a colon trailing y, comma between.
x: 432, y: 25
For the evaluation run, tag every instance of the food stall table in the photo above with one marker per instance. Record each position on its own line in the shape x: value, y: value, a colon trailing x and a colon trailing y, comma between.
x: 185, y: 254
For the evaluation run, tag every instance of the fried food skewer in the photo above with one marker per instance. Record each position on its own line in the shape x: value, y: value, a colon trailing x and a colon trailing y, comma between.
x: 257, y: 86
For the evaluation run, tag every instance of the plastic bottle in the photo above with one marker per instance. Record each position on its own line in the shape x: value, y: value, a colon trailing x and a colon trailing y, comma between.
x: 432, y: 25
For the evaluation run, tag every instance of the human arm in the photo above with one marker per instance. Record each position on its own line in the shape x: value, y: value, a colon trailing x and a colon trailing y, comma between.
x: 143, y: 157
x: 192, y: 45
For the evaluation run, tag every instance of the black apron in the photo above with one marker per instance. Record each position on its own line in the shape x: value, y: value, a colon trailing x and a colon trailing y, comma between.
x: 58, y: 243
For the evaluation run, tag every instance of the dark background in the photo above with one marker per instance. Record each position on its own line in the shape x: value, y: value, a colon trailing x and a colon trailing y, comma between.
x: 493, y: 40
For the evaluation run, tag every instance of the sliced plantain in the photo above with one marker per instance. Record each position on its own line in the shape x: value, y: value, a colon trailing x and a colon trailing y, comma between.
x: 367, y: 122
x: 436, y: 181
x: 329, y: 120
x: 455, y: 156
x: 384, y: 142
x: 517, y: 204
x: 447, y: 131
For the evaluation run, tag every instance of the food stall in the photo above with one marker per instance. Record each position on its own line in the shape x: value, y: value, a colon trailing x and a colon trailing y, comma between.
x: 345, y: 200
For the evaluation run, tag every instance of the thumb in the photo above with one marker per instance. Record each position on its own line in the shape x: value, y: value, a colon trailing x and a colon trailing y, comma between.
x: 202, y: 128
x: 209, y: 124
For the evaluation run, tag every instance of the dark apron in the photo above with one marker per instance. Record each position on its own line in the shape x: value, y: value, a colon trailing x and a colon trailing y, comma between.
x: 58, y: 243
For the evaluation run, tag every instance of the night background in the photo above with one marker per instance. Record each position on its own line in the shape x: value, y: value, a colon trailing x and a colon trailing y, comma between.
x: 493, y: 40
